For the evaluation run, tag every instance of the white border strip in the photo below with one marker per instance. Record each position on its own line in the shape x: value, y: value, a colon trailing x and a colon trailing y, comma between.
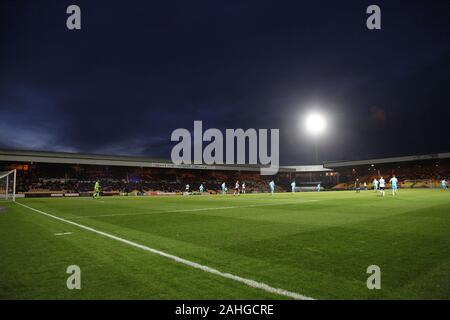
x: 248, y: 282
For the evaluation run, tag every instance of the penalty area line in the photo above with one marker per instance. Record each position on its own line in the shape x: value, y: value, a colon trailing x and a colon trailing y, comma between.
x: 197, y: 209
x: 62, y: 233
x: 246, y: 281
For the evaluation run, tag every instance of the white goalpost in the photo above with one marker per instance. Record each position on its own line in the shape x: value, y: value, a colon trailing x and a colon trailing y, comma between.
x: 8, y: 185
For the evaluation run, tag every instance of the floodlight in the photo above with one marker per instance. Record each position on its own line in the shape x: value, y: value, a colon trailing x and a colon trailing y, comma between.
x: 315, y: 123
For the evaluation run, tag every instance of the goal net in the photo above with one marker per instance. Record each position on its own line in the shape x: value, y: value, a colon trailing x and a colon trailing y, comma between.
x: 8, y: 185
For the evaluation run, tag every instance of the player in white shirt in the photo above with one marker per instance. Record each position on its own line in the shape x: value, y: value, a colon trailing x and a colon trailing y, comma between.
x: 187, y: 188
x: 224, y: 188
x: 393, y: 183
x: 382, y: 185
x: 236, y: 188
x: 243, y: 187
x: 293, y: 186
x: 272, y: 187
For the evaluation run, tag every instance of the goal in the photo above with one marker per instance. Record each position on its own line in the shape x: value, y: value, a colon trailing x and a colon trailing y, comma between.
x: 8, y: 185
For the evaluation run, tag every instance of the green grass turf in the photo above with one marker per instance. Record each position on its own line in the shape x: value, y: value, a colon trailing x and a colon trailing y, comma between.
x: 315, y: 244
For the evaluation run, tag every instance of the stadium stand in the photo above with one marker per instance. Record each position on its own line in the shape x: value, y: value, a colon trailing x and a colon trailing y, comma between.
x: 412, y: 171
x: 49, y: 173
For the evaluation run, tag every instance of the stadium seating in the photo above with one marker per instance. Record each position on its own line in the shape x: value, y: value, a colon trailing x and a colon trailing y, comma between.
x: 66, y: 178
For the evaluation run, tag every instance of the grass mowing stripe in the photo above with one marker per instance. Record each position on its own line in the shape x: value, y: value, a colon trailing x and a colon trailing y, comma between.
x: 248, y: 282
x: 198, y: 209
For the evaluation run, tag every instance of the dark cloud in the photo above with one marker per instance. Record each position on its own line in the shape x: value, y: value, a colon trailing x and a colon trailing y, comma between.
x: 135, y: 72
x: 378, y: 114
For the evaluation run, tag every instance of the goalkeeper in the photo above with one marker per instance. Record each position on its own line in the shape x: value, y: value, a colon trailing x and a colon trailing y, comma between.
x: 96, y: 190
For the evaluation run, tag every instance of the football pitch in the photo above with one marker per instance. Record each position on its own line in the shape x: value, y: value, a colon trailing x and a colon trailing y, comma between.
x: 256, y: 246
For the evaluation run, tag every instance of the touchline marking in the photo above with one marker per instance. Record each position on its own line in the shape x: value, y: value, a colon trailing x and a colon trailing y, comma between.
x: 248, y: 282
x: 62, y: 233
x: 196, y: 209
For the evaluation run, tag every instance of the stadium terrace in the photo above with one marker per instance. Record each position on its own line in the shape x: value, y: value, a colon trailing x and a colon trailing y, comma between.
x: 69, y: 174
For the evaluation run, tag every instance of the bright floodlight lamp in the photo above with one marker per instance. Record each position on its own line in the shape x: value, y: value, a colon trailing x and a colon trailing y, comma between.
x: 315, y: 123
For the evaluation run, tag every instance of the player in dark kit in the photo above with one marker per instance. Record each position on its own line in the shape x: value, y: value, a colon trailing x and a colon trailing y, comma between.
x: 358, y: 186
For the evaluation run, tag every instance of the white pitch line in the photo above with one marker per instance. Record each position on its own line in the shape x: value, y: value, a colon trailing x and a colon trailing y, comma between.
x: 248, y: 282
x: 196, y: 209
x: 62, y: 233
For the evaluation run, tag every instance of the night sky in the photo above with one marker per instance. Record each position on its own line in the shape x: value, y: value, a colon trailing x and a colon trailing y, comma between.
x: 137, y: 70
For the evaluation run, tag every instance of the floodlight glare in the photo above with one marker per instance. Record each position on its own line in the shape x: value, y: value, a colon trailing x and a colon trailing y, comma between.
x: 315, y: 123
